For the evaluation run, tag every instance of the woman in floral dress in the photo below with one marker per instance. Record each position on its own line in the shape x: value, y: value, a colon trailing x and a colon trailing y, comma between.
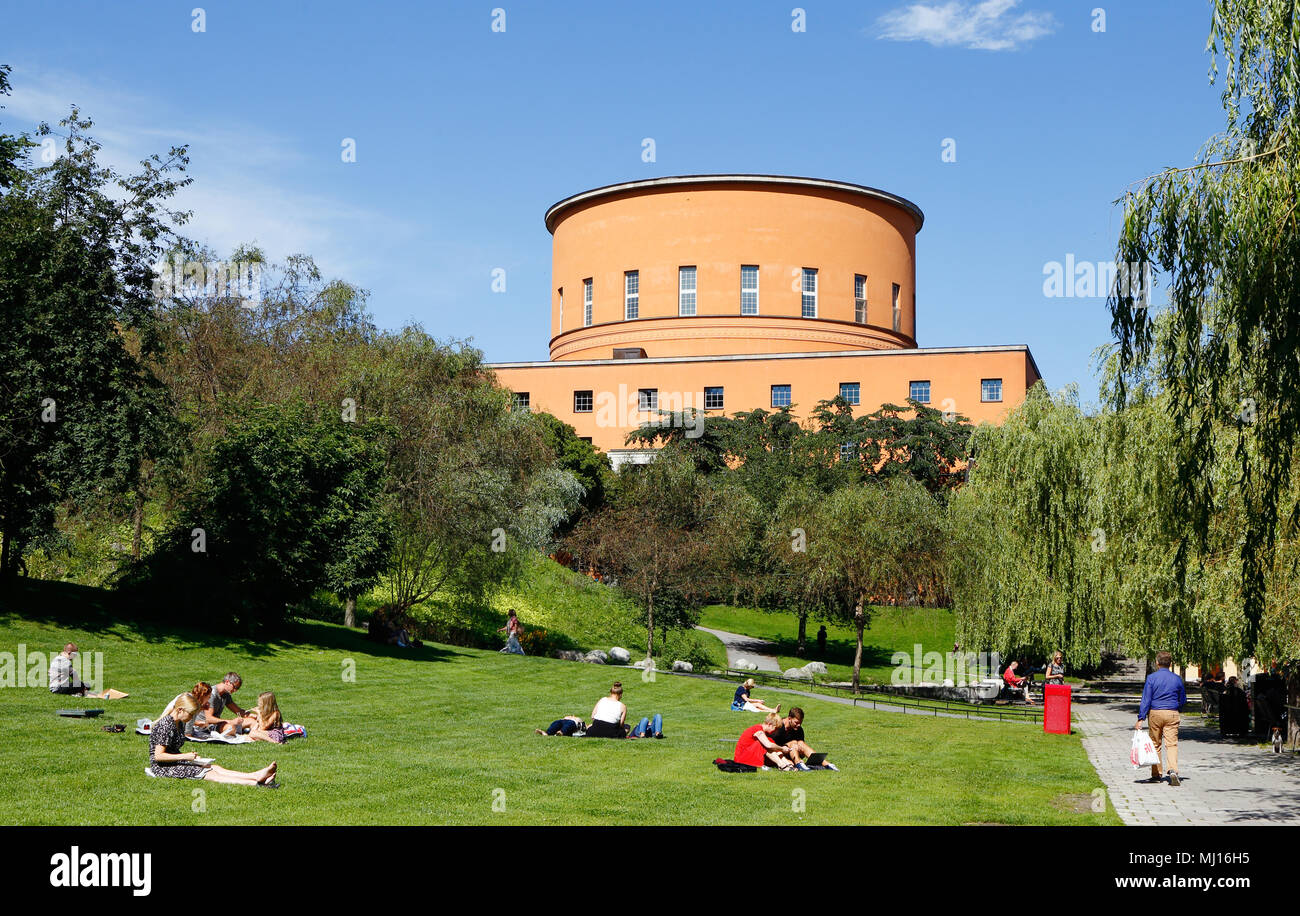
x: 166, y: 759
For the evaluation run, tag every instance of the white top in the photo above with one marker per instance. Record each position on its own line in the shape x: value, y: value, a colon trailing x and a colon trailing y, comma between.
x: 61, y: 672
x: 608, y: 709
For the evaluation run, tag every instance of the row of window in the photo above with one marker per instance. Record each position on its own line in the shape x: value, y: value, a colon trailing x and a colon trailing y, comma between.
x: 687, y: 295
x: 782, y: 395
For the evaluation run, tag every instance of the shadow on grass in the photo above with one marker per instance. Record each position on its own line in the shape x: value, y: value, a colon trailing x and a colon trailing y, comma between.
x: 838, y: 652
x: 101, y: 611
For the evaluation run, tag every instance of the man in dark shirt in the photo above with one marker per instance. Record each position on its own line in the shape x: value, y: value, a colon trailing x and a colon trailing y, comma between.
x: 1163, y: 695
x: 789, y: 735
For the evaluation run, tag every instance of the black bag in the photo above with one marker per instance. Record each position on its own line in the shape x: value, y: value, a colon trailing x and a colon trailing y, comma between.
x: 730, y: 766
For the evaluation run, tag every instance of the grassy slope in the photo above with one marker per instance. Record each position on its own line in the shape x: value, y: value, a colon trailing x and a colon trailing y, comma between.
x: 892, y: 630
x: 426, y: 736
x: 575, y: 611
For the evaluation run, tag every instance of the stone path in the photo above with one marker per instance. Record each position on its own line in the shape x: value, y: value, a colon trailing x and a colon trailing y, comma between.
x: 1222, y: 782
x: 738, y: 646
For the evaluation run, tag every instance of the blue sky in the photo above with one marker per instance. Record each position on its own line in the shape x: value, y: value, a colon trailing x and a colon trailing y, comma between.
x: 465, y: 135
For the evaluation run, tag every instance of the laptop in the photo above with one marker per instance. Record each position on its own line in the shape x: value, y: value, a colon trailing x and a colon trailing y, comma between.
x: 815, y: 760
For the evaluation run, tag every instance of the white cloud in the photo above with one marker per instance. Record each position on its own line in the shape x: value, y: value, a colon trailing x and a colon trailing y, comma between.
x: 989, y: 25
x: 243, y: 190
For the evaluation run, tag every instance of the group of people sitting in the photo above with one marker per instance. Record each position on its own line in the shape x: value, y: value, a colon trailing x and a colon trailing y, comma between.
x: 608, y: 720
x: 778, y: 741
x: 264, y: 723
x: 199, y: 714
x: 1053, y: 673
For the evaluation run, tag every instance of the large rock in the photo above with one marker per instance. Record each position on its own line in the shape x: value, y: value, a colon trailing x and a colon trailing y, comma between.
x: 644, y: 663
x: 815, y: 668
x: 744, y: 664
x: 619, y: 656
x: 595, y: 657
x: 800, y: 674
x: 680, y: 665
x: 569, y: 655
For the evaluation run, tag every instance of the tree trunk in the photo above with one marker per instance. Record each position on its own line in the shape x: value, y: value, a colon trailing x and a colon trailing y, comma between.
x: 859, y: 623
x: 650, y: 627
x: 138, y: 527
x: 802, y: 648
x: 350, y: 611
x: 1293, y: 700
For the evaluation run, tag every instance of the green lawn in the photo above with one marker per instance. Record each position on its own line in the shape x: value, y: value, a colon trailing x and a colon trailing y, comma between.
x: 435, y: 735
x: 893, y: 629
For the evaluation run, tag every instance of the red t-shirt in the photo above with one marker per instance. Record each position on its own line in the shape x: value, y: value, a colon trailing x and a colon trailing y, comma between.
x: 1012, y: 679
x: 748, y: 748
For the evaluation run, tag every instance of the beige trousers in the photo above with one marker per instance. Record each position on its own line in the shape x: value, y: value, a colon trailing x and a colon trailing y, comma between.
x: 1162, y: 725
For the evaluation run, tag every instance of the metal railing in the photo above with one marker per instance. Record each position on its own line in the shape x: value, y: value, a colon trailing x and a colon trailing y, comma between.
x: 875, y: 696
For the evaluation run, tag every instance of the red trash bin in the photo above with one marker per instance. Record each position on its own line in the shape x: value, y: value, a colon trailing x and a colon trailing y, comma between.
x: 1056, y: 709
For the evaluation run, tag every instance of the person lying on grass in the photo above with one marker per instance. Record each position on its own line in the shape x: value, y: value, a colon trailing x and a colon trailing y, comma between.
x: 609, y: 715
x: 789, y: 735
x: 648, y: 728
x: 743, y: 701
x: 566, y: 727
x: 264, y: 723
x: 165, y: 758
x: 65, y: 681
x: 756, y: 747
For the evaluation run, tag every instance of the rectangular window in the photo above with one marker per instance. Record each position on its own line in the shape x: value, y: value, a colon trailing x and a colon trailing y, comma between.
x: 898, y: 312
x: 586, y: 303
x: 851, y: 391
x: 648, y: 399
x: 749, y: 289
x: 686, y: 291
x: 713, y: 399
x: 631, y: 294
x: 521, y: 400
x: 561, y: 292
x: 848, y: 451
x: 991, y: 389
x: 780, y: 395
x: 919, y: 391
x: 582, y: 401
x: 860, y: 299
x: 809, y: 297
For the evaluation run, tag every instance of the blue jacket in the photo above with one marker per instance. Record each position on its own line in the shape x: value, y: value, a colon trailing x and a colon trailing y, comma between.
x: 1163, y: 690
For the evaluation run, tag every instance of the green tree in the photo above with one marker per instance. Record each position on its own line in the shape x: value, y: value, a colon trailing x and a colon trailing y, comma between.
x: 80, y: 409
x: 1224, y: 234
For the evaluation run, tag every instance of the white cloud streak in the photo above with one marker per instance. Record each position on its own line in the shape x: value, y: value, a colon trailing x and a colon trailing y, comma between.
x: 989, y: 25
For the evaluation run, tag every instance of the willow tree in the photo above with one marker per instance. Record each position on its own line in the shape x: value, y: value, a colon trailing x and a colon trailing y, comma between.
x: 1223, y: 234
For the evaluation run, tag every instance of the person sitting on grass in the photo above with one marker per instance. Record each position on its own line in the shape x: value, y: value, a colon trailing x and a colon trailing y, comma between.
x: 566, y: 727
x: 221, y: 698
x: 1015, y: 681
x: 742, y: 701
x: 65, y: 681
x: 609, y: 715
x: 165, y: 758
x: 789, y: 735
x: 756, y: 747
x: 264, y: 723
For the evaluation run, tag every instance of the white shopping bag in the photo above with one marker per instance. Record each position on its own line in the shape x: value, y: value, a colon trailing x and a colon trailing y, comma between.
x: 1144, y: 753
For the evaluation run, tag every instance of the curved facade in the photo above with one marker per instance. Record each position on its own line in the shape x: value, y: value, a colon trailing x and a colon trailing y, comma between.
x: 707, y: 295
x: 732, y: 264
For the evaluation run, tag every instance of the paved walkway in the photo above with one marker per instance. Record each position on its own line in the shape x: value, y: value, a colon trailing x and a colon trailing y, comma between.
x: 1222, y: 782
x: 757, y: 651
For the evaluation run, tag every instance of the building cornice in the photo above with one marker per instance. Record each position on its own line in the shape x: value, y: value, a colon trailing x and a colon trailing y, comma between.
x: 557, y: 209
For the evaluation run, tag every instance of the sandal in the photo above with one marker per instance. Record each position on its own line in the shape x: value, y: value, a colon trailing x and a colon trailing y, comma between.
x: 114, y: 728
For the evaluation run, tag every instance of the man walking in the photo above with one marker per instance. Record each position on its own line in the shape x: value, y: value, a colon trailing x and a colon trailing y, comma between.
x: 1163, y: 696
